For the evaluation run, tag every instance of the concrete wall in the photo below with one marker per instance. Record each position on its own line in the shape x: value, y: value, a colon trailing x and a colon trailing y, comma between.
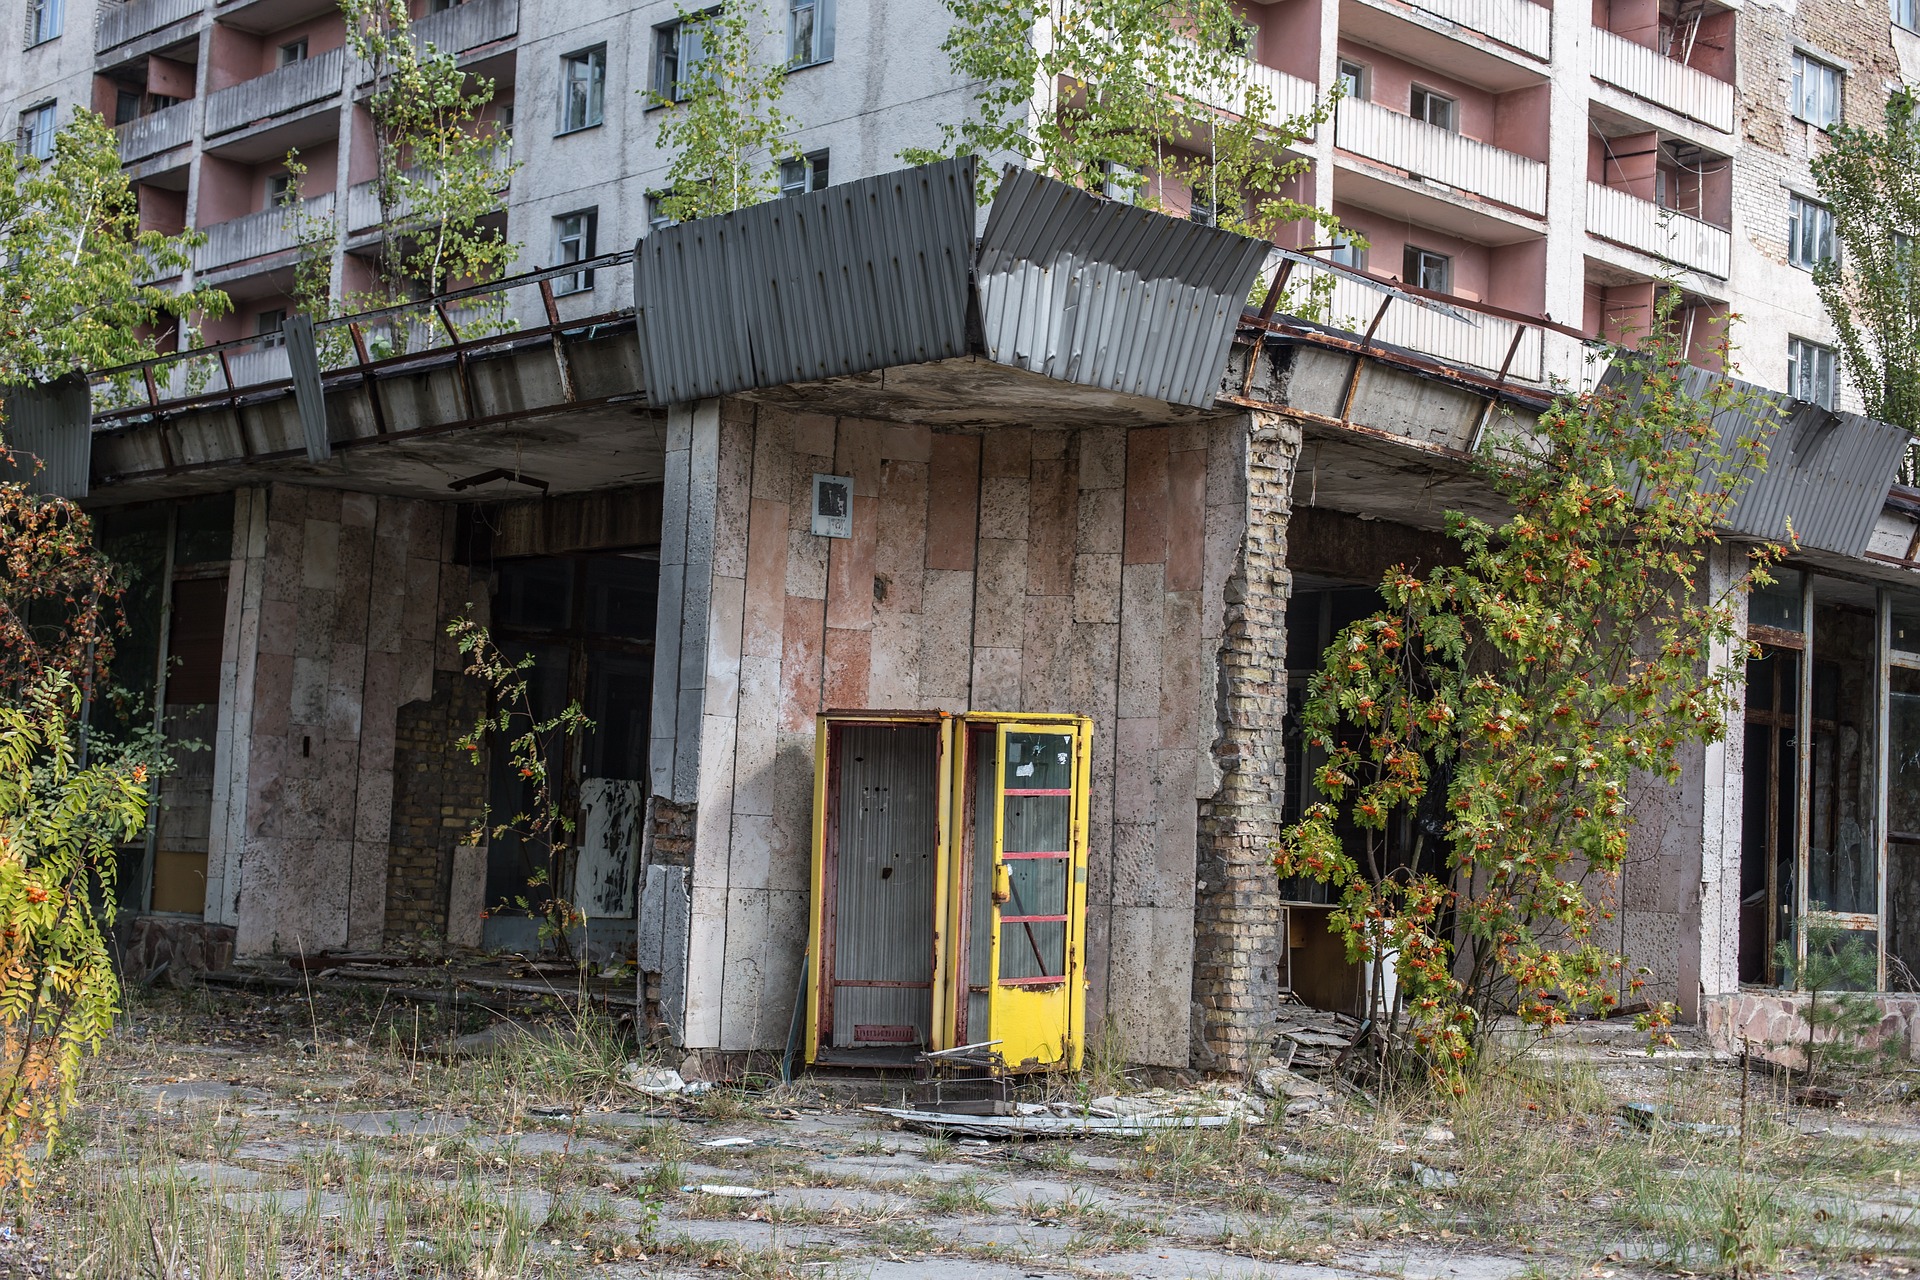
x: 336, y: 608
x: 1020, y: 568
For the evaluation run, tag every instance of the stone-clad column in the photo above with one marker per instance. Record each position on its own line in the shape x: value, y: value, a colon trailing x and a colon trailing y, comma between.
x: 1237, y: 913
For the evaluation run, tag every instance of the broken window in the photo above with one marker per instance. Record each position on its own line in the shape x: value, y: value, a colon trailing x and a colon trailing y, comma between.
x: 166, y: 677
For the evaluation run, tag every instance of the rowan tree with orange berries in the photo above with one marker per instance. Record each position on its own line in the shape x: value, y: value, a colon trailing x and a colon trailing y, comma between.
x: 77, y: 295
x: 1520, y: 697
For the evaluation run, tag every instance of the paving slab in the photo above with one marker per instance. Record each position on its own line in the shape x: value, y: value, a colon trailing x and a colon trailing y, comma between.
x: 843, y: 1200
x: 176, y: 1093
x: 1196, y: 1264
x: 1437, y: 1264
x: 1037, y: 1193
x: 400, y: 1124
x: 920, y: 1267
x: 542, y: 1142
x: 900, y: 1168
x: 746, y: 1234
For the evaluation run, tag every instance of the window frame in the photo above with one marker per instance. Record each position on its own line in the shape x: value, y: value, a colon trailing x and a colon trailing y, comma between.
x: 1417, y: 92
x: 1362, y: 78
x: 587, y: 237
x: 593, y: 106
x: 270, y: 338
x: 281, y: 54
x: 46, y: 113
x: 46, y: 21
x: 1414, y: 261
x: 1827, y: 250
x: 657, y: 219
x: 1344, y: 253
x: 1825, y: 370
x: 278, y: 197
x: 1911, y: 11
x: 1833, y: 74
x: 670, y: 53
x: 814, y: 164
x: 820, y: 35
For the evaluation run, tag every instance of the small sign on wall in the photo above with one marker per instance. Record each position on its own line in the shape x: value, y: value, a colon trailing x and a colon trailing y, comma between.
x: 833, y: 506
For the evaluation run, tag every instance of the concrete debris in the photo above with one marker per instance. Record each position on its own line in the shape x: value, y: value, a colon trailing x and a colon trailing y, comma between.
x: 1432, y: 1179
x: 662, y: 1082
x: 728, y: 1142
x: 726, y: 1190
x: 1304, y: 1106
x: 1162, y: 1110
x: 1275, y: 1081
x: 1436, y: 1135
x: 1656, y: 1115
x: 1312, y: 1039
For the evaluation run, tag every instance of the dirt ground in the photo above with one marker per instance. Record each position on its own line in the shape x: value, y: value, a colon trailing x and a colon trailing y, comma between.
x: 230, y: 1134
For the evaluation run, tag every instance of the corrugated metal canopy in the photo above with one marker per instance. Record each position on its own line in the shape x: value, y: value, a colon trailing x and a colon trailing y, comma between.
x: 1827, y: 473
x: 856, y: 277
x: 1106, y: 295
x: 49, y: 428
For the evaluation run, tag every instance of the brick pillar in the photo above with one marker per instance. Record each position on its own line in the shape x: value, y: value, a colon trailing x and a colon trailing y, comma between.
x: 1237, y: 913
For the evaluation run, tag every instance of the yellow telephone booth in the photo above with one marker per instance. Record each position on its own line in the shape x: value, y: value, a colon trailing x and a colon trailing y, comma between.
x: 949, y: 887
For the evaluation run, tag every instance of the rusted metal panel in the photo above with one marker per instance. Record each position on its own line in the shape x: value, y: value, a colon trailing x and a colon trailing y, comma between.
x: 1827, y: 473
x: 1106, y: 295
x: 303, y: 362
x: 48, y: 426
x: 611, y: 813
x: 856, y: 277
x: 885, y: 867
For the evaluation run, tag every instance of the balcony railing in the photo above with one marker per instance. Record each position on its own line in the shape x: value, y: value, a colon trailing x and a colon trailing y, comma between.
x: 1427, y: 151
x: 1650, y: 75
x: 159, y: 131
x: 1519, y: 24
x: 1664, y: 233
x: 120, y: 23
x: 363, y: 198
x: 255, y: 235
x: 285, y: 89
x: 1289, y: 95
x: 1461, y: 337
x: 468, y: 26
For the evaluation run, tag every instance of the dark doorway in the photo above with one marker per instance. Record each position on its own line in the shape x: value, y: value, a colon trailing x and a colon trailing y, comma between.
x: 586, y: 622
x: 1770, y: 818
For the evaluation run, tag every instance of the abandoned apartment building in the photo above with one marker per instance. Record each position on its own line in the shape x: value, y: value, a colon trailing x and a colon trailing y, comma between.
x: 938, y: 598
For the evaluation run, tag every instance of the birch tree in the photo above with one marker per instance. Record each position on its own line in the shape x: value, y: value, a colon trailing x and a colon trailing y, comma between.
x: 1871, y: 181
x: 723, y: 124
x: 1142, y: 99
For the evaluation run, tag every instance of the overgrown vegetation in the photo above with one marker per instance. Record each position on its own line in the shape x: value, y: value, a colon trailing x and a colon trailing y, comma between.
x: 441, y: 168
x: 721, y: 119
x: 1150, y: 101
x: 1871, y: 289
x: 1478, y: 736
x: 76, y: 296
x: 533, y: 744
x: 1841, y: 1018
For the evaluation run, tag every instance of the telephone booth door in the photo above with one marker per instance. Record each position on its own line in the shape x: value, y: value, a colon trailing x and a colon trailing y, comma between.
x: 1023, y: 869
x: 879, y: 888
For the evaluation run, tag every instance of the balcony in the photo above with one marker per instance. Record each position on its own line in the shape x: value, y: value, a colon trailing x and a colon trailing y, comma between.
x: 469, y: 26
x: 1290, y: 95
x: 1652, y: 77
x: 159, y: 131
x: 255, y: 235
x: 1517, y: 24
x: 1425, y: 151
x: 1664, y: 233
x: 282, y: 90
x: 120, y: 23
x: 1460, y: 337
x: 363, y: 200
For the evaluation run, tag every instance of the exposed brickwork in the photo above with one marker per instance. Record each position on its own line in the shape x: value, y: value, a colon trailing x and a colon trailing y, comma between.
x: 1237, y: 914
x: 672, y: 834
x: 438, y: 795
